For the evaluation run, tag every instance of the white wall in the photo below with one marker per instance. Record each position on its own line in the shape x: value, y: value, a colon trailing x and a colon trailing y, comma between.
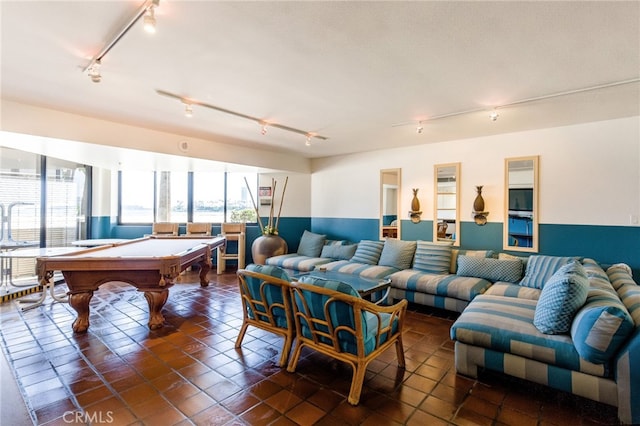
x: 75, y: 137
x: 296, y: 198
x: 589, y: 174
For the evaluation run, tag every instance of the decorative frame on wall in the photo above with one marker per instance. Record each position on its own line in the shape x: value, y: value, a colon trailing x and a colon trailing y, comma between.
x: 521, y: 215
x: 390, y: 195
x: 264, y: 195
x: 446, y: 206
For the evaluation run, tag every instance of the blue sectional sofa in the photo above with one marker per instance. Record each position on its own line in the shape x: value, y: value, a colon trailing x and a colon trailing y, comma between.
x: 590, y: 318
x: 598, y: 359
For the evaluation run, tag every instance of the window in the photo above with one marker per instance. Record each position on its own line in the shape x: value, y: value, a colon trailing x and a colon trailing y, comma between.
x: 66, y: 202
x: 215, y: 197
x: 136, y: 197
x: 172, y: 197
x: 208, y: 197
x: 30, y: 181
x: 239, y: 204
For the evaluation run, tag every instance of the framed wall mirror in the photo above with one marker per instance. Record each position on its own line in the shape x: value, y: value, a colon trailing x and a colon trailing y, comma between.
x: 521, y: 204
x: 390, y: 188
x: 446, y: 223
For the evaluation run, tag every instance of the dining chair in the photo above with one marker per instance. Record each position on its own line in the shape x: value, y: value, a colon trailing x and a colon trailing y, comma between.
x: 164, y: 228
x: 198, y: 228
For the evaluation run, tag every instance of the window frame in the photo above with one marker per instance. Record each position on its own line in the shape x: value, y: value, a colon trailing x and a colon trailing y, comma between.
x: 190, y: 201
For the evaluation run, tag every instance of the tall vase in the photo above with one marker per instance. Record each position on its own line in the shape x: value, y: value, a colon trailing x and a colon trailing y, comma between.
x: 415, y: 203
x: 478, y: 203
x: 266, y: 246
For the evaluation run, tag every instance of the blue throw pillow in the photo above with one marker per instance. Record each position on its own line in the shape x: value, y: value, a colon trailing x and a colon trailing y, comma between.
x: 490, y: 269
x: 368, y: 252
x: 339, y: 252
x: 541, y: 268
x: 561, y: 297
x: 311, y: 244
x: 397, y: 253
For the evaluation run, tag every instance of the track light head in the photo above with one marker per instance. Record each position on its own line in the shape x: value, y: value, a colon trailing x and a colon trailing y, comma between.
x: 150, y: 20
x: 94, y: 71
x: 494, y: 115
x: 188, y: 110
x: 308, y: 142
x: 419, y: 128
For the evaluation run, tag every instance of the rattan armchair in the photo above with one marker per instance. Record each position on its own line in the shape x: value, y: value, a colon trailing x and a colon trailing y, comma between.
x: 266, y: 304
x: 331, y: 318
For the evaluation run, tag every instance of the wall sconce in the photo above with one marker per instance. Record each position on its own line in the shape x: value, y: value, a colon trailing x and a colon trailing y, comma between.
x: 479, y: 215
x: 415, y: 212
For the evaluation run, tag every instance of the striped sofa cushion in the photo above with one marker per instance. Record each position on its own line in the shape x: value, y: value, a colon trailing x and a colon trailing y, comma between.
x: 362, y: 269
x: 432, y: 257
x: 296, y: 262
x: 463, y: 288
x: 505, y: 324
x: 603, y: 323
x: 627, y: 289
x: 513, y: 290
x: 541, y: 268
x: 368, y: 252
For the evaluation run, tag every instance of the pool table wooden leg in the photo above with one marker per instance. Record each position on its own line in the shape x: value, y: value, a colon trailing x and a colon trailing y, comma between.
x: 156, y: 300
x: 205, y: 267
x: 80, y: 303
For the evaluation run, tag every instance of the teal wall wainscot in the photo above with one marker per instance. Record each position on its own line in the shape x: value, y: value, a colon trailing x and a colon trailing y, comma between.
x: 606, y: 244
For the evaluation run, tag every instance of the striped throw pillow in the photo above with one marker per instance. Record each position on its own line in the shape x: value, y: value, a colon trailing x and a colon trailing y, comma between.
x: 541, y: 268
x: 368, y: 252
x: 432, y: 257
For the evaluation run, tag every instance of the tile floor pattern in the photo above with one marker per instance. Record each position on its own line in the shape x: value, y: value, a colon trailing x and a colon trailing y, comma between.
x: 189, y: 372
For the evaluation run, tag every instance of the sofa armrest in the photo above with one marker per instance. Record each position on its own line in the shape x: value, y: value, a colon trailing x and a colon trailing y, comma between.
x: 628, y: 379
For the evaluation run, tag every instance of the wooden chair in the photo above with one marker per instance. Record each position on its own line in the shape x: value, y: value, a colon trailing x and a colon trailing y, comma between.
x: 165, y: 228
x: 266, y: 304
x: 331, y: 318
x: 198, y: 228
x: 232, y: 232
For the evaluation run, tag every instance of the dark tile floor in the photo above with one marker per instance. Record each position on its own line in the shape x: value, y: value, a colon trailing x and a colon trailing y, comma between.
x: 189, y: 372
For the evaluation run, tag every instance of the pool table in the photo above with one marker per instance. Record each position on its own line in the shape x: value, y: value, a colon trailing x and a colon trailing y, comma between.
x: 150, y: 264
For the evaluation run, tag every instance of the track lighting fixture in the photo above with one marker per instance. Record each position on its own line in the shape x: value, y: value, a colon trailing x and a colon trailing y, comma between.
x: 147, y: 10
x: 493, y: 115
x: 94, y: 71
x: 188, y: 110
x: 150, y: 20
x: 260, y: 121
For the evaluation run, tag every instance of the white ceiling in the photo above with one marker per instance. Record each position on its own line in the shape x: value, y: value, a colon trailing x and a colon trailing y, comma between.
x: 349, y: 70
